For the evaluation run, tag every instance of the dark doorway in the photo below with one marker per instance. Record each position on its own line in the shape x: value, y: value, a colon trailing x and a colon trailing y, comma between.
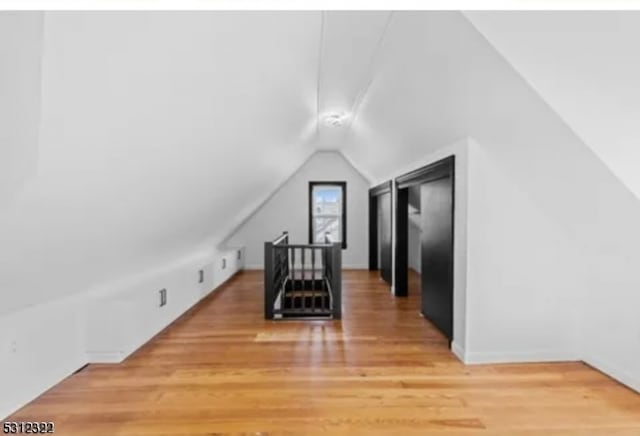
x: 434, y: 187
x: 380, y: 230
x: 414, y: 235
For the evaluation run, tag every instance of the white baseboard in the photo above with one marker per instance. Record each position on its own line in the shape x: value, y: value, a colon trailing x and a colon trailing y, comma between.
x: 458, y: 351
x: 106, y: 357
x: 40, y: 345
x: 474, y: 358
x: 117, y: 352
x: 42, y: 383
x: 614, y: 372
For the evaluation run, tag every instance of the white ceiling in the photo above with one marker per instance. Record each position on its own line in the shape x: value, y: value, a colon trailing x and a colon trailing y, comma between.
x: 19, y: 99
x: 350, y: 43
x: 419, y: 98
x: 156, y: 133
x: 585, y: 65
x: 141, y: 137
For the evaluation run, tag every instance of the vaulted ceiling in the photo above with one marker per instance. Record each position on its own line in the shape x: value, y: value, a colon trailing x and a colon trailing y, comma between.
x: 135, y: 137
x: 585, y: 66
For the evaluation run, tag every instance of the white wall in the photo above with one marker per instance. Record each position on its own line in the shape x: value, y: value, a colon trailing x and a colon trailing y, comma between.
x: 42, y: 344
x: 288, y: 209
x: 39, y: 346
x: 415, y: 247
x: 542, y: 287
x: 522, y: 280
x: 582, y: 64
x: 567, y: 215
x: 579, y: 195
x: 609, y: 321
x: 414, y: 230
x: 123, y: 316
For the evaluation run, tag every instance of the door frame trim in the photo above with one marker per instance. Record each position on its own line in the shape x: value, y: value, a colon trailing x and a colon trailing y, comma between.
x: 374, y: 193
x: 436, y: 170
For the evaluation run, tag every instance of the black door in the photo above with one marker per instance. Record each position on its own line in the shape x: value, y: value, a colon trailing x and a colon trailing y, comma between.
x: 384, y: 224
x: 436, y: 201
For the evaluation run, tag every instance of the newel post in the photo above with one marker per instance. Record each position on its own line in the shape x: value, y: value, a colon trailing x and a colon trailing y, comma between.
x: 336, y: 276
x: 268, y: 280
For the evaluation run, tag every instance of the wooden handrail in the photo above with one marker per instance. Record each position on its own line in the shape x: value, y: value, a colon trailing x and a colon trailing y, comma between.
x: 305, y: 245
x: 282, y: 237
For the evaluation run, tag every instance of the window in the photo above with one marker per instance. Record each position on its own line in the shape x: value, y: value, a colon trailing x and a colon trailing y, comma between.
x: 328, y: 211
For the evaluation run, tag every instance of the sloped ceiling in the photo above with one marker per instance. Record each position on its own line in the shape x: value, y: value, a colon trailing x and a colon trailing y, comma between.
x: 418, y: 97
x: 350, y: 44
x: 20, y: 57
x: 153, y: 134
x: 141, y: 137
x: 582, y: 64
x: 437, y: 79
x: 585, y: 66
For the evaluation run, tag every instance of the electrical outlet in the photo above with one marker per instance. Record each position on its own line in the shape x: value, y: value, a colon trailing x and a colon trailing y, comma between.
x: 14, y: 347
x: 224, y: 263
x: 163, y: 297
x: 239, y: 254
x: 201, y: 276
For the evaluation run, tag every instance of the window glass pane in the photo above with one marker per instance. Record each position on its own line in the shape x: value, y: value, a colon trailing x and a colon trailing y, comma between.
x: 327, y: 206
x: 327, y: 200
x: 323, y: 225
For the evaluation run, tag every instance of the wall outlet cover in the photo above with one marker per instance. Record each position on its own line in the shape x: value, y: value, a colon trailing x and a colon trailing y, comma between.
x: 163, y: 297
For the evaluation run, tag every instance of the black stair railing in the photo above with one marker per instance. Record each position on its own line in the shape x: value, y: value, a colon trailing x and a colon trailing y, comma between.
x: 302, y: 280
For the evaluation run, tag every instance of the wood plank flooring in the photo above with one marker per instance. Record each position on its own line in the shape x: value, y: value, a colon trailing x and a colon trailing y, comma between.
x: 223, y: 369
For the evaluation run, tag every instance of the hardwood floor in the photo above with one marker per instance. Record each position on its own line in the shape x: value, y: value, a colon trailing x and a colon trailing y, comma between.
x: 382, y: 370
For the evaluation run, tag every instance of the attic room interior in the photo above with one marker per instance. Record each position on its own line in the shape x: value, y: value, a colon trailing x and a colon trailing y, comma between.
x: 319, y: 222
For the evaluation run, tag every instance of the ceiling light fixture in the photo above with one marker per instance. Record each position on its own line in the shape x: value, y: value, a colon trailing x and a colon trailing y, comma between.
x: 335, y: 119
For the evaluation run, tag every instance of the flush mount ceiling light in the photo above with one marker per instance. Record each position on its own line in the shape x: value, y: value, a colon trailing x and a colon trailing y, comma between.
x: 335, y: 119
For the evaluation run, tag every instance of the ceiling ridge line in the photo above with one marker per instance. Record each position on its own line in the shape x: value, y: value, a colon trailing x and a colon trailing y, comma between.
x: 369, y: 77
x: 319, y: 75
